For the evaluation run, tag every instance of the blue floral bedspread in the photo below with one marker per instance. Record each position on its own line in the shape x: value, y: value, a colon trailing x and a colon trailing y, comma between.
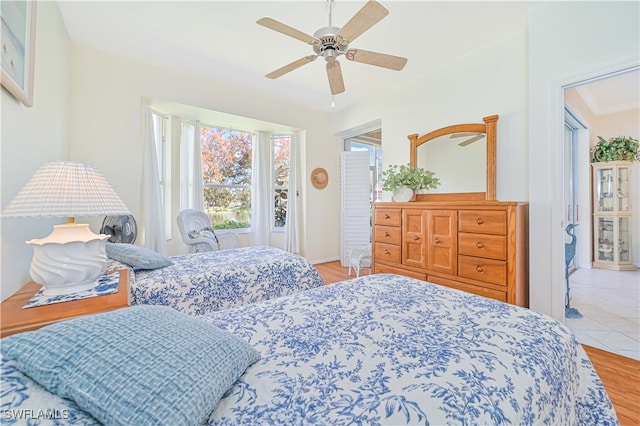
x: 206, y: 282
x: 386, y: 349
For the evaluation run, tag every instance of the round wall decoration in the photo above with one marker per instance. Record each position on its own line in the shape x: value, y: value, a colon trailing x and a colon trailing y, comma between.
x: 319, y: 178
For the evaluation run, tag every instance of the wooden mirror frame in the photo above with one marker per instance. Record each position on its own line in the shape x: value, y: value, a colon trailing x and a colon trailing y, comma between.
x: 490, y: 129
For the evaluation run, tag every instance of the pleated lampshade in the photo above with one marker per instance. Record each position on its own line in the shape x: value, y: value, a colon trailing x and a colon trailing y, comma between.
x: 66, y: 189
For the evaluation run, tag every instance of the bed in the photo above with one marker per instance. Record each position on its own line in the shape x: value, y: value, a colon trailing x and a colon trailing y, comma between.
x: 387, y: 349
x: 201, y: 283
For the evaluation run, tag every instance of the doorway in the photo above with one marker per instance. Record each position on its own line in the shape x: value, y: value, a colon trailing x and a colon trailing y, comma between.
x: 606, y: 106
x: 360, y: 185
x: 371, y: 142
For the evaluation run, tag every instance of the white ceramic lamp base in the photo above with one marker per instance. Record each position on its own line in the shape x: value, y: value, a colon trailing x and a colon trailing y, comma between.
x: 68, y: 260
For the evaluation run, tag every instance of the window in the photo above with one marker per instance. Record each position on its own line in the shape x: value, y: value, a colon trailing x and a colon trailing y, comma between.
x: 226, y: 174
x: 280, y: 149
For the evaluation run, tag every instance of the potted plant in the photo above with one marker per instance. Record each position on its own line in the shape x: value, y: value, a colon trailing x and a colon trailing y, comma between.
x: 404, y: 180
x: 615, y: 149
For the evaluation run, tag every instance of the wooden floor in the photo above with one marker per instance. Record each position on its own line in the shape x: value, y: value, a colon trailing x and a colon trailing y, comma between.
x: 620, y: 375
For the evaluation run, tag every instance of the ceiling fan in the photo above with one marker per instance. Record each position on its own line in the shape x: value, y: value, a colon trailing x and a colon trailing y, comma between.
x: 473, y: 137
x: 331, y: 42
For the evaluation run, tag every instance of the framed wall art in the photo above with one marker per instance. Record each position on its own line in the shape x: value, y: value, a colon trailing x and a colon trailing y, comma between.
x: 18, y: 48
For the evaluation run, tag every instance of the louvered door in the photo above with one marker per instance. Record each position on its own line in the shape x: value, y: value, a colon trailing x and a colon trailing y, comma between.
x: 354, y: 202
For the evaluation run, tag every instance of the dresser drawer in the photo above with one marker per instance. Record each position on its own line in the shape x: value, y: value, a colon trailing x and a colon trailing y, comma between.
x: 384, y: 269
x: 470, y: 288
x: 483, y: 221
x: 388, y: 252
x: 389, y: 217
x: 388, y: 234
x: 488, y: 270
x: 483, y: 245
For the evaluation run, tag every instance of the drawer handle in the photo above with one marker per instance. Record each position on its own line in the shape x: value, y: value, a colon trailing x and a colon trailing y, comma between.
x: 386, y: 216
x: 416, y: 238
x: 437, y: 240
x: 479, y: 221
x: 479, y: 245
x: 386, y: 252
x: 480, y: 269
x: 386, y: 235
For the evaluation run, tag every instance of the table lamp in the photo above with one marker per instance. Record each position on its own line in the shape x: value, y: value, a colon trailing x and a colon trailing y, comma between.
x: 72, y: 257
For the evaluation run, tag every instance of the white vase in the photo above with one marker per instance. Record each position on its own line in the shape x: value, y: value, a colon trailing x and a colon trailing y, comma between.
x: 403, y: 194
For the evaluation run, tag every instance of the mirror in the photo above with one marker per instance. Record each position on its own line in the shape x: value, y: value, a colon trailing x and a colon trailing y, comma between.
x: 462, y: 156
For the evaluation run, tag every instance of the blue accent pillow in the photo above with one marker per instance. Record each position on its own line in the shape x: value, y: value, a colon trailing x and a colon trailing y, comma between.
x: 140, y: 365
x: 136, y: 256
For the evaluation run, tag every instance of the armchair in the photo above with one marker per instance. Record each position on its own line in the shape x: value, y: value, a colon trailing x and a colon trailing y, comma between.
x: 197, y: 233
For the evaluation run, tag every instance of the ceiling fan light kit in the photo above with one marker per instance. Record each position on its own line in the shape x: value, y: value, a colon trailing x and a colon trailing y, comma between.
x: 332, y: 42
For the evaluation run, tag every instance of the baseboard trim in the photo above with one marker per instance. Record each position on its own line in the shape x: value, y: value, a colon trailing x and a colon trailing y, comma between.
x: 330, y: 259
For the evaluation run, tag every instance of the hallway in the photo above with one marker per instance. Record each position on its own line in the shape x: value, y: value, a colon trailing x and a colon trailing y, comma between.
x: 610, y: 304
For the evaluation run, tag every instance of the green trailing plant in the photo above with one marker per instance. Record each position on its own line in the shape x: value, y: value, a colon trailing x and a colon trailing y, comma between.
x: 615, y: 149
x: 404, y: 175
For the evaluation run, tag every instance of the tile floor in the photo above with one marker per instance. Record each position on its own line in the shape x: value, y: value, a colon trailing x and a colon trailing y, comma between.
x: 610, y: 304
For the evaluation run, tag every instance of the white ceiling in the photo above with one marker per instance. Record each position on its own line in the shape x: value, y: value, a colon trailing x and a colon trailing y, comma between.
x: 221, y: 40
x: 620, y: 92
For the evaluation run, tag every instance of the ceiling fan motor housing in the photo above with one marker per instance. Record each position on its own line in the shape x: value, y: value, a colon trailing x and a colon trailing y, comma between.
x: 329, y: 45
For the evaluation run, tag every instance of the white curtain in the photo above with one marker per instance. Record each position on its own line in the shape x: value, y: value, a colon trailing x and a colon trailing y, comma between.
x: 291, y: 229
x: 261, y: 199
x: 191, y: 188
x: 153, y: 211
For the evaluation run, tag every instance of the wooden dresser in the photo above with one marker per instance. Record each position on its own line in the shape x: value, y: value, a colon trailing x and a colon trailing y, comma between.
x: 475, y: 246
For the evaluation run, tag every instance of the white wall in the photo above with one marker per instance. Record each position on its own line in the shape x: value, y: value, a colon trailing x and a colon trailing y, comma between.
x: 568, y: 42
x: 488, y: 81
x: 30, y: 137
x: 106, y: 96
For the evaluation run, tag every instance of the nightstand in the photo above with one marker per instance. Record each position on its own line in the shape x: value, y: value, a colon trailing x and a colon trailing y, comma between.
x: 14, y: 319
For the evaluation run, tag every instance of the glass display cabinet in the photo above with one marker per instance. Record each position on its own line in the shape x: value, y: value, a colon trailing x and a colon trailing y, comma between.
x: 612, y: 215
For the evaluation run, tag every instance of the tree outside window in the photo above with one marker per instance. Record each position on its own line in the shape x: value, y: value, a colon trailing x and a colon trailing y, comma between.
x: 280, y: 147
x: 226, y: 173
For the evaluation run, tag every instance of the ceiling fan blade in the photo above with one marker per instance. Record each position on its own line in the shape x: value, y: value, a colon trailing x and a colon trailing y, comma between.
x: 287, y: 30
x: 334, y: 73
x: 365, y: 18
x: 378, y: 59
x: 471, y: 140
x: 464, y: 134
x: 292, y: 66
